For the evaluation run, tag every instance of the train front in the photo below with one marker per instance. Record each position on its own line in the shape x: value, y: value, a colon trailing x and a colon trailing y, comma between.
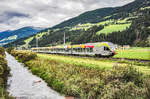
x: 112, y: 48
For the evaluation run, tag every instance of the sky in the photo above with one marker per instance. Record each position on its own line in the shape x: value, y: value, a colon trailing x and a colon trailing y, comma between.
x: 15, y: 14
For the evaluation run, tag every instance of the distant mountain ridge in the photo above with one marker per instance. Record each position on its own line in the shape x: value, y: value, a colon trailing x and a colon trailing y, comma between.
x: 125, y: 25
x: 12, y: 35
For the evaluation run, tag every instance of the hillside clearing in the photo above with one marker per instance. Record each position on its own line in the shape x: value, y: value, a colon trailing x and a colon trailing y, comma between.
x: 114, y: 28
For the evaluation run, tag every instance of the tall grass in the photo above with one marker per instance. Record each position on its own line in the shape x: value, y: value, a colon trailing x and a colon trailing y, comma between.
x: 120, y: 82
x: 4, y: 72
x: 106, y: 64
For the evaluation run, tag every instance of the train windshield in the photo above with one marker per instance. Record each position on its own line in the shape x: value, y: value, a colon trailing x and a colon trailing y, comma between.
x: 106, y: 49
x: 112, y: 46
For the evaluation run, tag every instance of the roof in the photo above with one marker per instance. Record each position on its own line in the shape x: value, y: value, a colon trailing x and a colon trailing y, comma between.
x: 87, y: 45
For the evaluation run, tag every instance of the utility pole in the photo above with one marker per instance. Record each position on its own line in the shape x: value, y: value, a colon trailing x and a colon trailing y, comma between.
x: 64, y: 38
x: 37, y: 42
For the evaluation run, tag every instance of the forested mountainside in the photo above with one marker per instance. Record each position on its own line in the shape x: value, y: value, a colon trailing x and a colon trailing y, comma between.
x: 10, y: 36
x: 126, y: 25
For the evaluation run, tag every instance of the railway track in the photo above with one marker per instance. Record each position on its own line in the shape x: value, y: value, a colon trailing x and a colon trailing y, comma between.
x: 108, y: 58
x: 111, y: 58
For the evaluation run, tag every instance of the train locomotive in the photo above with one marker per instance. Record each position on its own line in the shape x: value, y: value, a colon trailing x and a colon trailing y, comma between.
x: 104, y: 49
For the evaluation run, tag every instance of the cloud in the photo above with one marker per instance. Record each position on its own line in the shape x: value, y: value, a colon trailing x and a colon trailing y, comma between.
x: 9, y: 16
x: 46, y: 13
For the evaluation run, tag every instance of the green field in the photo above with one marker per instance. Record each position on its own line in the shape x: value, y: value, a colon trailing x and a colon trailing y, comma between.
x: 148, y: 7
x: 114, y: 28
x: 134, y: 53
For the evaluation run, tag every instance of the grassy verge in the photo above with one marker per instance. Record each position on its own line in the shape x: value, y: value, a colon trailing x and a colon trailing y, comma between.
x: 77, y: 61
x: 106, y: 64
x: 78, y: 79
x: 134, y: 53
x: 4, y: 72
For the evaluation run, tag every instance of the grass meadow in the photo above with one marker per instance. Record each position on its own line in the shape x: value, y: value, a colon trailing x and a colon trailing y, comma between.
x: 89, y: 78
x: 134, y: 53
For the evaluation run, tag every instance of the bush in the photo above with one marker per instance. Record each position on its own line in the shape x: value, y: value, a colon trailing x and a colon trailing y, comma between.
x: 1, y: 70
x: 10, y: 49
x: 2, y: 51
x: 118, y: 90
x: 4, y: 72
x: 125, y: 74
x: 147, y: 87
x: 23, y: 56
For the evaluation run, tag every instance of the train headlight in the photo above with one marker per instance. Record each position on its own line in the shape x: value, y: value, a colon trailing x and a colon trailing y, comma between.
x: 114, y: 52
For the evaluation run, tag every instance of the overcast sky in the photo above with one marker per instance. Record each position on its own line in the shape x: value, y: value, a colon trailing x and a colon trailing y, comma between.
x: 15, y: 14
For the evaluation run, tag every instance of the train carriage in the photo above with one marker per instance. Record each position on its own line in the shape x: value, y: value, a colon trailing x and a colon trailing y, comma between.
x: 97, y: 49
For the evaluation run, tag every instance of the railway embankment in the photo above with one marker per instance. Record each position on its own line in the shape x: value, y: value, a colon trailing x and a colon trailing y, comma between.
x: 4, y: 73
x: 87, y: 78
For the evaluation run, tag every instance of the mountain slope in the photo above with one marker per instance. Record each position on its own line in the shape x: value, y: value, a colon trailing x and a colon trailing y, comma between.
x: 99, y: 15
x: 10, y: 36
x: 87, y: 17
x: 129, y: 24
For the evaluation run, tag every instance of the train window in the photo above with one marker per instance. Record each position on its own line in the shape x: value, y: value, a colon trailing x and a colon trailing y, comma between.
x: 84, y: 49
x: 88, y: 49
x: 67, y: 50
x: 91, y: 49
x: 106, y: 48
x: 78, y: 50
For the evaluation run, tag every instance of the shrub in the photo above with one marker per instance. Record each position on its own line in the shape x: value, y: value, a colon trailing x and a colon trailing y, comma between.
x: 2, y: 51
x: 1, y: 70
x: 23, y: 56
x: 119, y: 90
x: 147, y: 87
x: 4, y: 72
x: 10, y: 49
x: 125, y: 74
